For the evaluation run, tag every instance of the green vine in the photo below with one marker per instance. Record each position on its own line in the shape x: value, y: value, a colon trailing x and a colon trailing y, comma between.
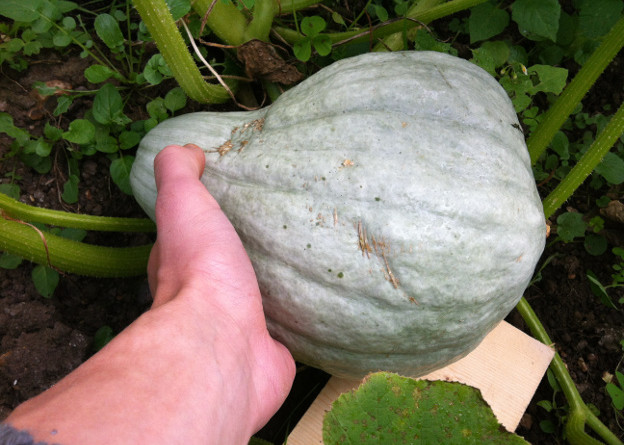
x: 574, y: 92
x: 158, y: 20
x: 583, y: 168
x: 70, y: 256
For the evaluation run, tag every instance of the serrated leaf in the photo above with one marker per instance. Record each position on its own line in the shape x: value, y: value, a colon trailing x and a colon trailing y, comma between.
x: 537, y: 19
x: 80, y: 131
x: 120, y: 173
x: 389, y: 409
x: 486, y: 21
x: 45, y: 280
x: 611, y: 168
x: 107, y: 29
x: 20, y: 10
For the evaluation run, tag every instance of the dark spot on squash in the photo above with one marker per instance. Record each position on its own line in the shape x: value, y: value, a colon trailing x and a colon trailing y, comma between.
x: 340, y: 275
x: 284, y: 226
x: 308, y: 245
x: 377, y: 198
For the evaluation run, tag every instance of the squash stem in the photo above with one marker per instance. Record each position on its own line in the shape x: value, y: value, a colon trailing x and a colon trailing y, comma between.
x: 72, y: 256
x: 156, y: 16
x: 20, y: 211
x: 358, y: 35
x: 583, y: 168
x: 579, y: 415
x: 574, y: 92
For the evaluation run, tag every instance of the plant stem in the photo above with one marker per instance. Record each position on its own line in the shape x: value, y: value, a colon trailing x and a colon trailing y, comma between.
x: 20, y: 211
x: 260, y: 25
x: 583, y: 168
x: 156, y: 16
x: 430, y: 15
x: 574, y: 92
x: 395, y: 42
x: 579, y: 414
x: 227, y: 22
x: 72, y: 256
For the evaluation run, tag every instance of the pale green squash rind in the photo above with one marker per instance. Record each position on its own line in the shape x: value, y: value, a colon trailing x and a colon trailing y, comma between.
x: 387, y: 204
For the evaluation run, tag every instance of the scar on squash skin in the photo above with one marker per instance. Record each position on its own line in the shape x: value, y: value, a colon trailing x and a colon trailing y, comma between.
x: 380, y: 249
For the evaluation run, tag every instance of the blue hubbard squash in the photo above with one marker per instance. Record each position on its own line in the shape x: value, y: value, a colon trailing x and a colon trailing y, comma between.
x: 387, y: 204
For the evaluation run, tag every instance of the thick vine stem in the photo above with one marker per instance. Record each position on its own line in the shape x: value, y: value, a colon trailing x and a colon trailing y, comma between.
x: 156, y: 16
x: 21, y: 211
x: 583, y: 168
x: 358, y: 35
x: 556, y: 115
x: 579, y: 414
x: 72, y: 256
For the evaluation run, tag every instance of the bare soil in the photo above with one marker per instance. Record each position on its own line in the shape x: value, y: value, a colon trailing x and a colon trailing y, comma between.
x: 41, y: 340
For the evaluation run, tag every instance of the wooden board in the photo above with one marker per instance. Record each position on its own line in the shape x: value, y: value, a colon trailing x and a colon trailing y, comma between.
x: 507, y: 367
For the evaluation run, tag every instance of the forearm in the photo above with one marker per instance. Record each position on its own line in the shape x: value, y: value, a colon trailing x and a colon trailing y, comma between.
x: 155, y: 383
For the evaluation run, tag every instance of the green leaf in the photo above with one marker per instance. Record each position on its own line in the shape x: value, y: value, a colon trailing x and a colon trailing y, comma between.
x: 11, y: 190
x: 486, y: 21
x: 551, y: 79
x: 62, y: 105
x: 175, y: 99
x: 596, y: 17
x: 595, y: 244
x: 81, y: 131
x: 617, y: 396
x: 570, y: 225
x: 120, y: 173
x: 599, y: 290
x: 99, y: 73
x: 155, y: 69
x: 52, y: 133
x: 10, y: 261
x: 179, y: 8
x: 322, y: 44
x: 611, y: 168
x: 303, y: 50
x: 21, y: 11
x: 313, y: 25
x: 389, y: 409
x: 128, y: 139
x: 45, y: 280
x: 61, y: 39
x: 102, y: 337
x: 7, y: 127
x: 537, y: 19
x: 70, y: 190
x: 107, y: 29
x: 73, y: 234
x: 108, y: 106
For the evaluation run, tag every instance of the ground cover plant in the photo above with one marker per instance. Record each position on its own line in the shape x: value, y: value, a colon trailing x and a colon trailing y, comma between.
x: 135, y: 70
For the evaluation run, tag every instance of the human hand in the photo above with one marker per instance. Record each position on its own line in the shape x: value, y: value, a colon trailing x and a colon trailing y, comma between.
x: 200, y: 366
x: 199, y: 257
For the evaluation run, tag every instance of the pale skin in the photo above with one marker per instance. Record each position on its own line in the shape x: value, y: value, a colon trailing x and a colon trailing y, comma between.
x: 200, y: 366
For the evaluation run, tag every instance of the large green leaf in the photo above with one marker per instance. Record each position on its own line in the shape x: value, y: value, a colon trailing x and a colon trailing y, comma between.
x: 390, y: 409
